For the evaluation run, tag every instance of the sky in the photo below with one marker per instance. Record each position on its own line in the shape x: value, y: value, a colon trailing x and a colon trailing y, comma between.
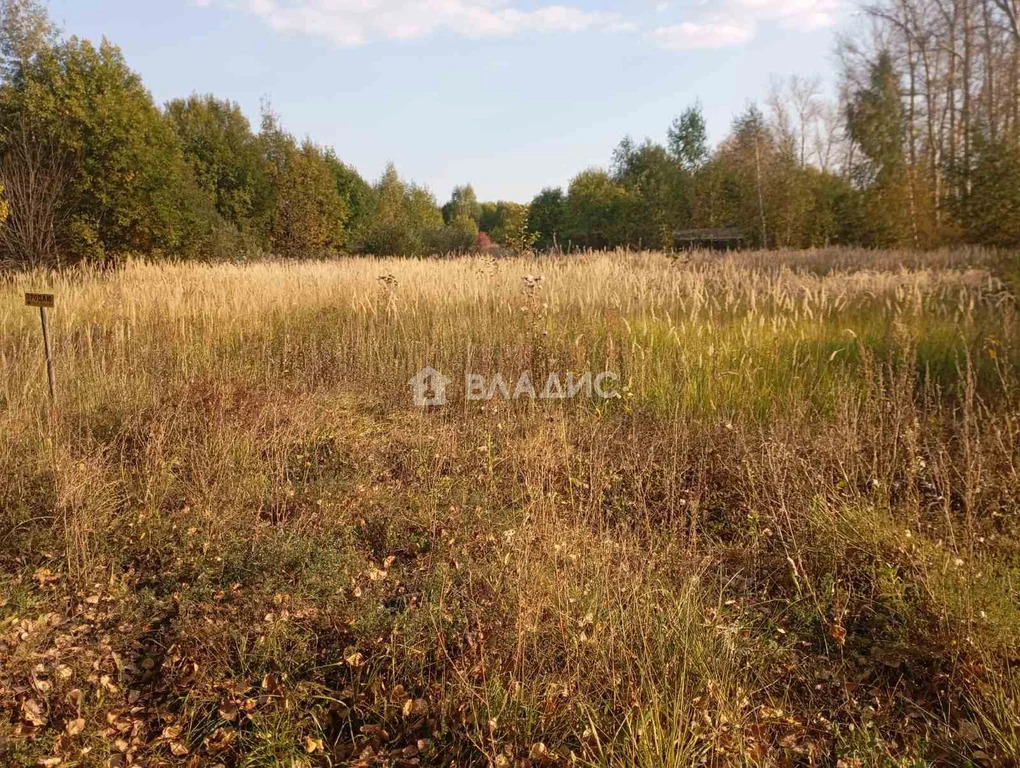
x: 509, y: 95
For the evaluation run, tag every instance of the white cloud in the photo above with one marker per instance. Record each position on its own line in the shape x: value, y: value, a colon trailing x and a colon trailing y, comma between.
x: 734, y: 22
x: 805, y: 15
x: 357, y: 22
x: 690, y: 36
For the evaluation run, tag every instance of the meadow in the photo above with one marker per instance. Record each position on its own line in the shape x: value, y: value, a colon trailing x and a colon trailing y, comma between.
x: 790, y: 540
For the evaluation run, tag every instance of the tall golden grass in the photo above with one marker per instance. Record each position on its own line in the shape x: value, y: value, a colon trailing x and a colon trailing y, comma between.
x: 790, y: 540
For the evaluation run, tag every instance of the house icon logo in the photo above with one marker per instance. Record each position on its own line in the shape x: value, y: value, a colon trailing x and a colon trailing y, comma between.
x: 429, y: 388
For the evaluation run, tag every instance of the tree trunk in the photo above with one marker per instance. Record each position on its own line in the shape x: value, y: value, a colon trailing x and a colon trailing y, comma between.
x: 761, y: 195
x: 968, y: 55
x: 993, y: 127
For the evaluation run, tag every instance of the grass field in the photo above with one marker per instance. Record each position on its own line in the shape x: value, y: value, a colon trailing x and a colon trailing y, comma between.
x: 791, y: 540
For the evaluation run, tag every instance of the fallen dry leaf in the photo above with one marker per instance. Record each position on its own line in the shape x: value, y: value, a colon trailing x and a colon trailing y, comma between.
x: 375, y: 730
x: 415, y: 707
x: 74, y: 727
x: 221, y: 739
x: 33, y: 712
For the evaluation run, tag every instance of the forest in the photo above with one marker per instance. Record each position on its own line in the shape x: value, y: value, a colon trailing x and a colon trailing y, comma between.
x: 919, y: 148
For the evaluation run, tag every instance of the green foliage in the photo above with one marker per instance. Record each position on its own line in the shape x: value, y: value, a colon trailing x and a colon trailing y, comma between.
x: 688, y: 139
x: 309, y: 213
x: 460, y: 223
x: 25, y: 31
x: 596, y: 210
x: 196, y: 181
x: 875, y: 121
x: 491, y: 217
x: 659, y: 191
x: 358, y: 195
x: 748, y: 160
x: 711, y: 198
x: 755, y: 182
x: 826, y: 221
x: 547, y: 218
x: 508, y: 224
x: 130, y: 188
x: 513, y: 231
x: 463, y: 205
x: 458, y: 236
x: 405, y: 218
x: 993, y: 206
x: 226, y: 158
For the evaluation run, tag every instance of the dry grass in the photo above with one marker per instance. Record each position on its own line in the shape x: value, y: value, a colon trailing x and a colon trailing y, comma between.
x: 792, y: 539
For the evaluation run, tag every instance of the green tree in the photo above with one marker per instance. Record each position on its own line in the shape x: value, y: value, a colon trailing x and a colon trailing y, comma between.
x: 877, y: 125
x: 425, y: 219
x: 596, y: 210
x: 756, y: 182
x: 25, y: 31
x: 658, y: 193
x: 463, y: 205
x: 130, y: 189
x: 547, y: 218
x: 688, y: 139
x: 358, y: 196
x: 309, y: 214
x: 828, y: 217
x: 275, y: 143
x: 513, y: 231
x: 227, y: 160
x: 491, y: 218
x: 713, y: 194
x: 745, y: 161
x: 993, y: 204
x: 405, y: 220
x: 390, y: 232
x: 457, y: 236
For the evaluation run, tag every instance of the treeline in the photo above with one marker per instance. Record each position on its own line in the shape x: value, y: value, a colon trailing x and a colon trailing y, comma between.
x: 92, y: 170
x: 922, y: 149
x: 931, y: 96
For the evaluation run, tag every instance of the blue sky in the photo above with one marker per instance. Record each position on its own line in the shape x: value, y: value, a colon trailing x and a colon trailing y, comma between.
x: 510, y: 95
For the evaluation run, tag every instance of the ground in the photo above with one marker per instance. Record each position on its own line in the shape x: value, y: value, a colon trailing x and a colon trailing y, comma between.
x: 791, y: 539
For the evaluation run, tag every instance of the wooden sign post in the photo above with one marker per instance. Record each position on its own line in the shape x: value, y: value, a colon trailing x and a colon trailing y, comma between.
x: 45, y: 301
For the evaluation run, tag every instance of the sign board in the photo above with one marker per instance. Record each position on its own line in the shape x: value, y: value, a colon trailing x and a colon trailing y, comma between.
x: 39, y: 300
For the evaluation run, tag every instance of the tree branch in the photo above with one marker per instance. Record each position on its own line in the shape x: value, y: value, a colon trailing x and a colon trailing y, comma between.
x: 1012, y: 11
